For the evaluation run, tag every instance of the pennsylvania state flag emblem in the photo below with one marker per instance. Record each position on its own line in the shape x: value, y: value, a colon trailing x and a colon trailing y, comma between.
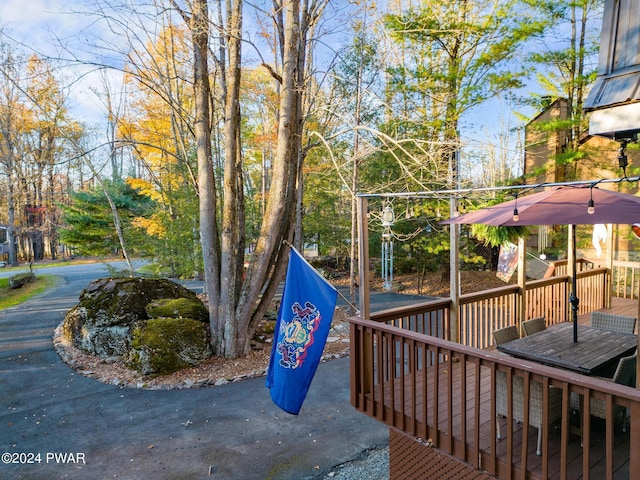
x: 304, y: 319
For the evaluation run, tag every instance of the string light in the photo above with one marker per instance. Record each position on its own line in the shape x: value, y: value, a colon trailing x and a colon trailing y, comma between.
x: 516, y: 217
x: 591, y: 206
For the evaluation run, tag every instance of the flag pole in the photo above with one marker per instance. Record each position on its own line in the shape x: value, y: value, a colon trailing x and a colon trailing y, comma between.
x: 339, y: 294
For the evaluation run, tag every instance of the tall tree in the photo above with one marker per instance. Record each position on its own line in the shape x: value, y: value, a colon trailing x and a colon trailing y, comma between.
x: 232, y: 299
x: 463, y: 53
x: 566, y: 60
x: 11, y: 123
x: 295, y: 21
x: 37, y: 137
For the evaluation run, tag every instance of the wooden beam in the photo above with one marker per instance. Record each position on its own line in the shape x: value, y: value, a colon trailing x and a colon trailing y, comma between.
x: 522, y: 283
x: 363, y: 258
x: 454, y: 272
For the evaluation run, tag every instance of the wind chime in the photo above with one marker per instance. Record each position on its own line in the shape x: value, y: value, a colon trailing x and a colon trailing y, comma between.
x: 388, y: 219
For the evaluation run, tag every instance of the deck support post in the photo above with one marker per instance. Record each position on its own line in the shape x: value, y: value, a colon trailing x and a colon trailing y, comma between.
x: 363, y: 288
x: 363, y: 258
x: 522, y: 283
x: 454, y: 273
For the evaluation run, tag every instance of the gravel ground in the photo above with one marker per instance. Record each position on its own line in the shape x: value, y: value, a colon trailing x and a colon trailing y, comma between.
x: 374, y: 465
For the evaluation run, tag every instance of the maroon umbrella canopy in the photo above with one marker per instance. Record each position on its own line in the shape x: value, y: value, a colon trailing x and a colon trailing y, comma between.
x: 564, y: 205
x: 559, y: 206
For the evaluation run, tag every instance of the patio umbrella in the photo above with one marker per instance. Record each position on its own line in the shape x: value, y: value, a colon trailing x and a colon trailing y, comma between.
x: 565, y: 205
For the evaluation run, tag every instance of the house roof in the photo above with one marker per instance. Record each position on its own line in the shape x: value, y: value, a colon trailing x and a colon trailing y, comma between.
x: 614, y: 89
x: 614, y: 99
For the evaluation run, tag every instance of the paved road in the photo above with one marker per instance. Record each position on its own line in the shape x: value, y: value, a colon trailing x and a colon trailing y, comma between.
x: 74, y: 427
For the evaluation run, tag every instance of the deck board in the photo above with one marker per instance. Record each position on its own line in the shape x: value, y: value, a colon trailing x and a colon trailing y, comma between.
x: 451, y: 418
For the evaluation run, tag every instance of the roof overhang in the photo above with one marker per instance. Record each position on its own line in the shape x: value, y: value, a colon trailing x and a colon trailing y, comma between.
x: 617, y: 122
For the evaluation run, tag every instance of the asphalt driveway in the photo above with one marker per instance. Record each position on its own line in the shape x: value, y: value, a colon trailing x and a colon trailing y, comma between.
x: 55, y: 423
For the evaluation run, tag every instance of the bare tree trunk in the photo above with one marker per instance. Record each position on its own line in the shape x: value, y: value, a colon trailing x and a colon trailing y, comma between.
x: 353, y: 267
x: 269, y: 262
x: 118, y: 227
x: 116, y: 216
x: 232, y: 301
x: 13, y: 258
x: 206, y: 183
x: 231, y: 245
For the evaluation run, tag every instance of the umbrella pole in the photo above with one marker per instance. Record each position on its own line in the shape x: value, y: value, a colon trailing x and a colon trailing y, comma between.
x: 572, y: 263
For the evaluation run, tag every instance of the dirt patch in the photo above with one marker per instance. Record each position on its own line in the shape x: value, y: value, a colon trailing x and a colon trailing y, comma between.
x: 219, y: 371
x: 433, y: 285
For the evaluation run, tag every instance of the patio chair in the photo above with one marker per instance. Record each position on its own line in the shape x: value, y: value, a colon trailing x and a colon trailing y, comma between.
x: 609, y: 321
x: 534, y: 325
x: 506, y: 334
x: 625, y: 374
x: 535, y: 404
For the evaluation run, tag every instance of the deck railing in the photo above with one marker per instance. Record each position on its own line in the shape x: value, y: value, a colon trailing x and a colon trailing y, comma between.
x: 407, y: 374
x: 444, y: 394
x: 626, y: 279
x: 483, y: 312
x: 558, y: 268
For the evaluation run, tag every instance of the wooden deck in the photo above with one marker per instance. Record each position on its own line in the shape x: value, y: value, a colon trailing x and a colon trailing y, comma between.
x: 449, y: 405
x: 452, y: 401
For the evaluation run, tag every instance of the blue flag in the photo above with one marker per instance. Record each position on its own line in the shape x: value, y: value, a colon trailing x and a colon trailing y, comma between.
x: 304, y: 319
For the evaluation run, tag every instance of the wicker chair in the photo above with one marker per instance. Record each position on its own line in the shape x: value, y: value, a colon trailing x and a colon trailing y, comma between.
x: 617, y: 323
x: 534, y: 325
x: 625, y: 374
x: 505, y: 334
x: 535, y: 404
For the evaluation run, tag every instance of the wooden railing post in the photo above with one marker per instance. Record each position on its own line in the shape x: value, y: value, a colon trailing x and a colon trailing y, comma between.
x: 454, y: 273
x: 363, y: 257
x: 634, y: 439
x: 522, y: 282
x: 363, y: 289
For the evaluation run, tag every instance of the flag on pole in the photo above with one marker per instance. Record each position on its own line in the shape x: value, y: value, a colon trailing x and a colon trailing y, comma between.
x: 304, y: 319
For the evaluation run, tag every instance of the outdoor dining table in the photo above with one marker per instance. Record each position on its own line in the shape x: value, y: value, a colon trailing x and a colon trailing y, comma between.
x: 596, y: 350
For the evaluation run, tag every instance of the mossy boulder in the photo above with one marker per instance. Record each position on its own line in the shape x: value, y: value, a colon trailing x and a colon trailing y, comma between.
x: 122, y: 301
x: 111, y: 308
x: 178, y: 308
x: 164, y: 345
x: 21, y: 279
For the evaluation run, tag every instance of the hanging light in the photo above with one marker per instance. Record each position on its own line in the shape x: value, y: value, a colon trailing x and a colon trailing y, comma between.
x: 516, y: 217
x: 387, y: 216
x: 591, y: 206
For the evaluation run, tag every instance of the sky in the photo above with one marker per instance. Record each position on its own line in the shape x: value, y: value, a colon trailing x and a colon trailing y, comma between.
x: 37, y: 22
x: 40, y: 26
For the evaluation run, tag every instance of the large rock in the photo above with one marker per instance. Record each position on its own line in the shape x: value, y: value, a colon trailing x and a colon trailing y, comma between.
x: 164, y: 345
x: 111, y: 308
x: 178, y: 308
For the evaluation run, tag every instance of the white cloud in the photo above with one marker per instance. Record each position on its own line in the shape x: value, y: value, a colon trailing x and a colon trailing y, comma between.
x: 42, y: 26
x: 30, y: 22
x: 33, y: 11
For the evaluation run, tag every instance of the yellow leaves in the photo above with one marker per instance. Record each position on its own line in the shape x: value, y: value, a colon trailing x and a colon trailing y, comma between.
x: 149, y: 225
x: 144, y: 187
